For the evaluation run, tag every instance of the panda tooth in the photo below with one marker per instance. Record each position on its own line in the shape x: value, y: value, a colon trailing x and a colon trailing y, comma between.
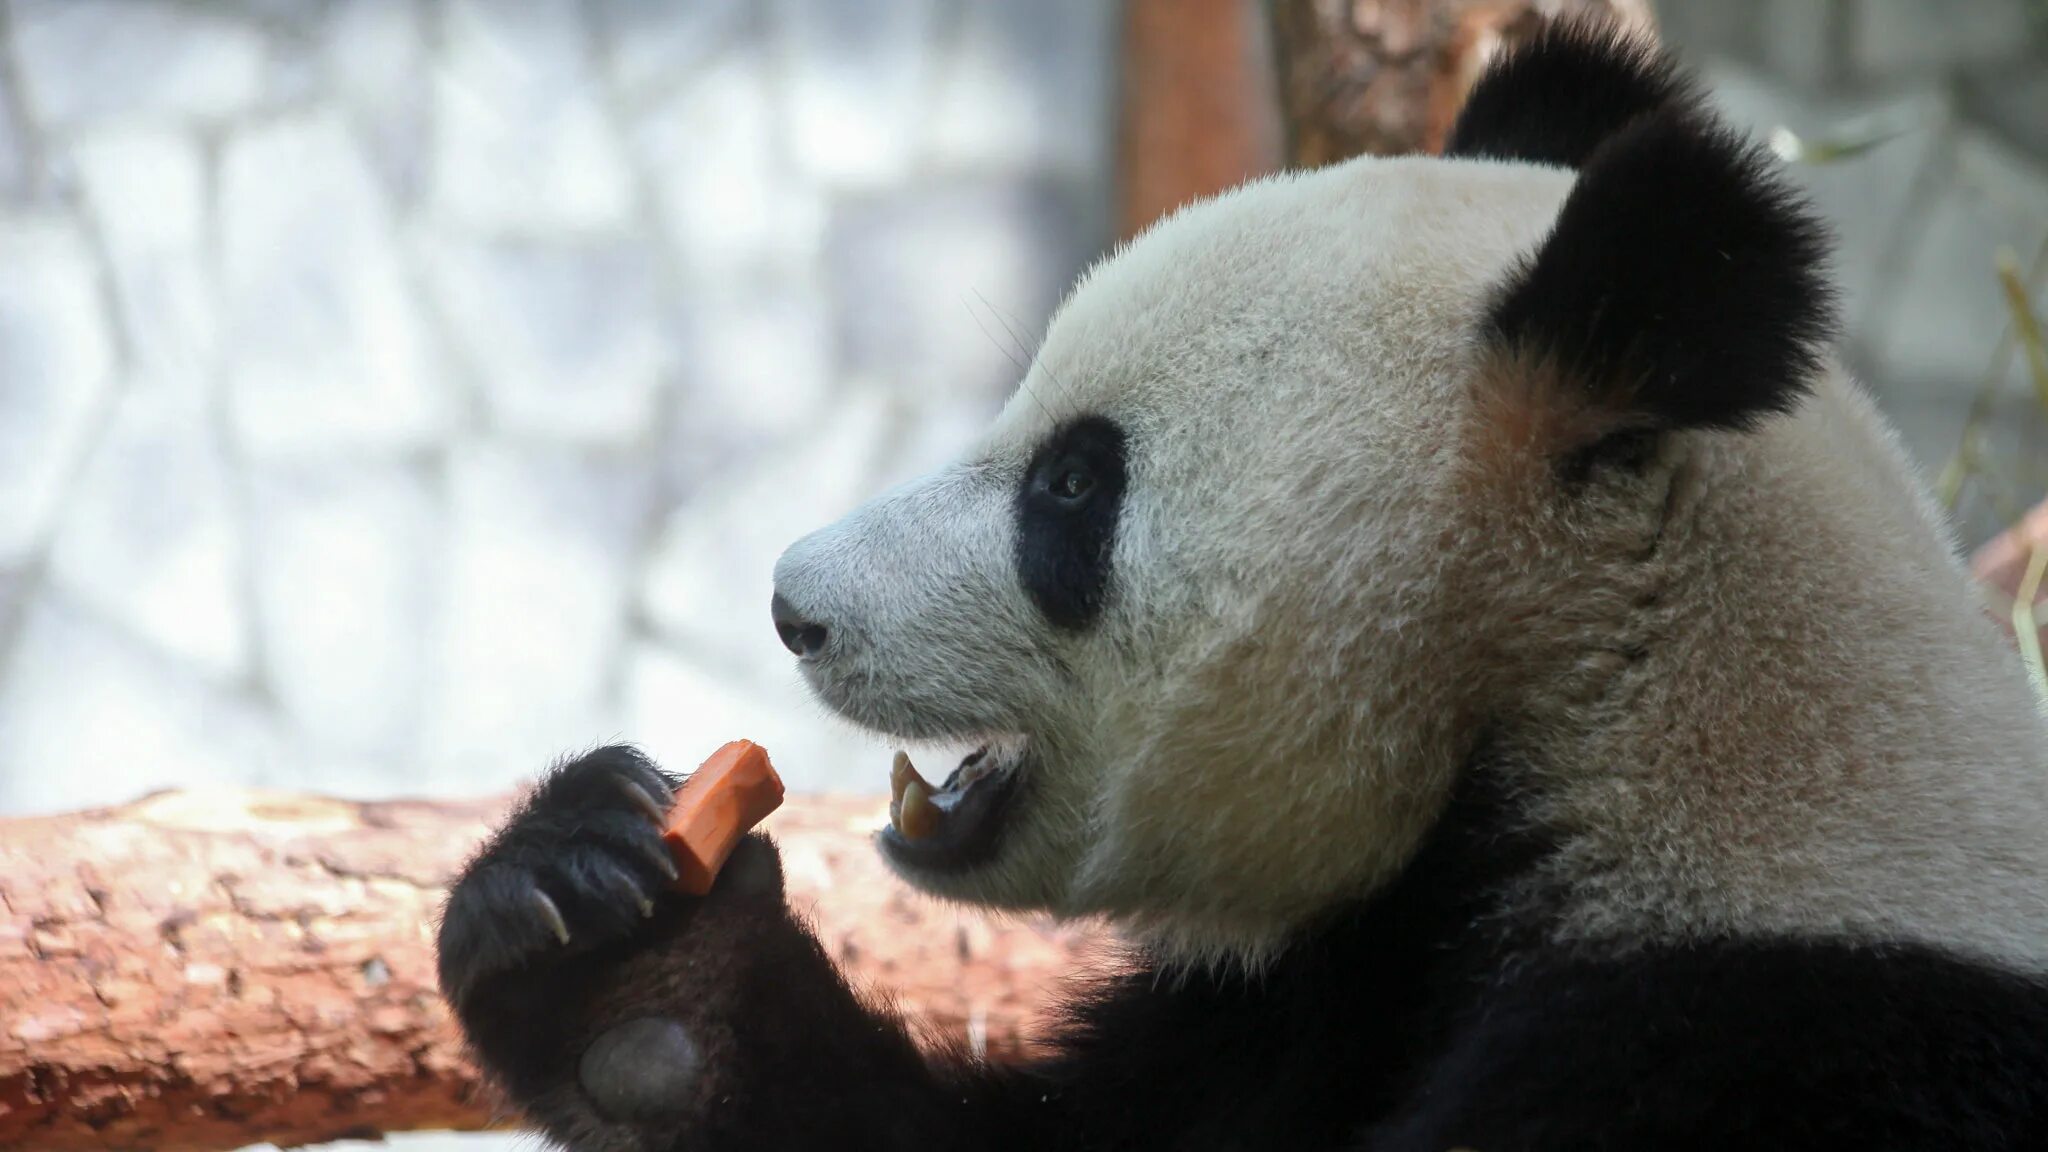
x: 916, y: 817
x: 901, y: 773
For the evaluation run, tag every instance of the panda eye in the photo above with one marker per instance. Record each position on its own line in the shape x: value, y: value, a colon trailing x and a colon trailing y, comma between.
x: 1071, y: 483
x: 1069, y: 497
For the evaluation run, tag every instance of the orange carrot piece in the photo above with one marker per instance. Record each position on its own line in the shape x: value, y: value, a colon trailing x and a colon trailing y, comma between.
x: 728, y: 794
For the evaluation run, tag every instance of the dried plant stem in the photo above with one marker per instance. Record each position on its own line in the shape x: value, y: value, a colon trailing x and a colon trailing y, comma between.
x: 2023, y: 623
x: 1967, y: 464
x: 2025, y: 325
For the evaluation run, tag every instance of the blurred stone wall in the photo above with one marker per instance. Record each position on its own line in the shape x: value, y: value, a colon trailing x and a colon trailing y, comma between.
x: 1943, y: 105
x: 395, y: 394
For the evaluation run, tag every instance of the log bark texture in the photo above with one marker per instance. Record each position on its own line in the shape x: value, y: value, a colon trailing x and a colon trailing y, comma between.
x: 208, y: 970
x: 1386, y: 77
x: 1216, y: 92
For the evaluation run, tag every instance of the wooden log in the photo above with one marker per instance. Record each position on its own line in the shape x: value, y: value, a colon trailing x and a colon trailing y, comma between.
x: 1387, y: 77
x: 205, y: 970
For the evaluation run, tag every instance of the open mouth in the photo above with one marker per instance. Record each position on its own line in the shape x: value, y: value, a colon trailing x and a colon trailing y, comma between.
x: 959, y: 823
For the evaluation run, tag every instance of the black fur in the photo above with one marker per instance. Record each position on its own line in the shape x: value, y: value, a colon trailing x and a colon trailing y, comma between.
x: 1065, y: 544
x: 1425, y: 1020
x: 582, y: 842
x: 787, y: 1057
x: 1786, y: 1044
x: 1559, y: 97
x: 1684, y: 284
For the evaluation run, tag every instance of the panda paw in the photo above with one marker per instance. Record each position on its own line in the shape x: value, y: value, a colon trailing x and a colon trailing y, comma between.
x: 582, y: 864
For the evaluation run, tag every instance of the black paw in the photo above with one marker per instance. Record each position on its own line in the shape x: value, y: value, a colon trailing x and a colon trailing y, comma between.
x: 582, y: 864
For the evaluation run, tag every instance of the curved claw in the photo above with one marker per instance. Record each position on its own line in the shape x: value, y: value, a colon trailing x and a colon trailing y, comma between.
x: 645, y: 802
x: 656, y: 852
x: 549, y: 914
x: 623, y: 880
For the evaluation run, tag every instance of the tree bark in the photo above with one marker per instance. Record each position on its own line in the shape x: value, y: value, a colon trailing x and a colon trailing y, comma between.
x: 1386, y: 77
x: 209, y: 970
x: 1216, y: 92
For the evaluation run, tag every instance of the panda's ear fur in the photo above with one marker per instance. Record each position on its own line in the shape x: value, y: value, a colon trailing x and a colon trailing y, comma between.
x: 1558, y: 97
x: 1683, y: 285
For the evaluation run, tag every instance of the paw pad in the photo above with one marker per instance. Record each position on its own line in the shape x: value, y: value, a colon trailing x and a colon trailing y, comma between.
x: 640, y: 1070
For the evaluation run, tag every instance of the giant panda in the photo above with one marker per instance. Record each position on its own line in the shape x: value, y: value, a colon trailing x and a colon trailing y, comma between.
x: 1457, y: 619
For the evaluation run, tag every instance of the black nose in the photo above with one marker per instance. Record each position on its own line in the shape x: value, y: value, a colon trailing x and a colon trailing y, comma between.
x: 800, y: 636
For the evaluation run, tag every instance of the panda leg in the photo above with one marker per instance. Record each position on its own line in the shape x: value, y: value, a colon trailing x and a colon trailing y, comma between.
x: 619, y: 1014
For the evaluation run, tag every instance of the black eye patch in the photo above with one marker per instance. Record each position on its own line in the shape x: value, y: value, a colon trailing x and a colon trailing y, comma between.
x: 1066, y: 520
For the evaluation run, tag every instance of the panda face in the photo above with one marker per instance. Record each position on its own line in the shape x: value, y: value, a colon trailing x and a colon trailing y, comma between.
x: 1525, y: 467
x: 1182, y: 605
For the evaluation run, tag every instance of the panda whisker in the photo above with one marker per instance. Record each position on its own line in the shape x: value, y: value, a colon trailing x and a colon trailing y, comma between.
x: 1023, y: 371
x: 1015, y: 328
x: 1009, y: 326
x: 1008, y: 353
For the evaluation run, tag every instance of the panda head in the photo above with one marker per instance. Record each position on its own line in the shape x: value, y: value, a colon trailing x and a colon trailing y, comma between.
x: 1306, y: 491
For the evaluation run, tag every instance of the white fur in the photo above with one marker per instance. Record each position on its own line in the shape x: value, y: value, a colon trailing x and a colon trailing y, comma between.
x: 1827, y: 735
x: 1333, y: 568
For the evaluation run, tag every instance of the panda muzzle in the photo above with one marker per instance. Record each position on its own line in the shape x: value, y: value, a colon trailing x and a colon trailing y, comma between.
x: 918, y: 809
x: 959, y: 823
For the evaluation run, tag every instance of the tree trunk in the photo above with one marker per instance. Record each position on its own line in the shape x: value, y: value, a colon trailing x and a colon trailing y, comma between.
x: 1197, y: 113
x: 1387, y: 76
x: 208, y: 970
x: 1216, y: 92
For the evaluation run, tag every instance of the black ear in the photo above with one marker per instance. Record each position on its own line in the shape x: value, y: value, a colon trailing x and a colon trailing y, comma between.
x: 1558, y: 97
x: 1683, y: 285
